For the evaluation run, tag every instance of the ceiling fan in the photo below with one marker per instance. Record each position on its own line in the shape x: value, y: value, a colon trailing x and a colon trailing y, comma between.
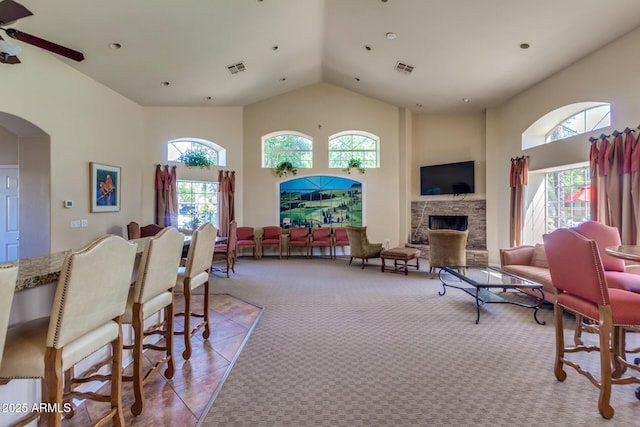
x: 11, y: 11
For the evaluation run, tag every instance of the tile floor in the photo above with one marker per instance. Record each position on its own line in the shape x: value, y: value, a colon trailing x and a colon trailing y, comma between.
x: 184, y: 399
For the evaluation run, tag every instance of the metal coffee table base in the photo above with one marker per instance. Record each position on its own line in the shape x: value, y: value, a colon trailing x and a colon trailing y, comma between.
x: 480, y: 290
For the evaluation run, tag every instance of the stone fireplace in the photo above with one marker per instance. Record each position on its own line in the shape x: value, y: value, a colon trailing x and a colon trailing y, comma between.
x: 453, y: 214
x: 451, y: 222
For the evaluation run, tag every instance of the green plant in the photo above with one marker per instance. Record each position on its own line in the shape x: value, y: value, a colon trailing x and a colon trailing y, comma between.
x: 196, y: 218
x: 195, y: 158
x: 354, y: 163
x: 285, y: 168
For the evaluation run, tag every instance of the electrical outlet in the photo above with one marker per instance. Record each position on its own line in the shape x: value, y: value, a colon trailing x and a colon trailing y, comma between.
x: 75, y: 223
x: 85, y: 223
x: 387, y: 243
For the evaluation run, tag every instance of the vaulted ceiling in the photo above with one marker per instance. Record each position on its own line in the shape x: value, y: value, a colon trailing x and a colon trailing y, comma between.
x: 455, y: 50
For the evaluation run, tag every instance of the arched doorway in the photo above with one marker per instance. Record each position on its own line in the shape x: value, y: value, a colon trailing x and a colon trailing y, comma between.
x: 25, y: 152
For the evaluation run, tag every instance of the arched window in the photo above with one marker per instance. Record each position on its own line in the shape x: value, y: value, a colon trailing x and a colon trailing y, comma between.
x: 583, y: 122
x: 356, y: 145
x: 289, y: 146
x: 213, y: 151
x: 567, y: 121
x: 197, y: 200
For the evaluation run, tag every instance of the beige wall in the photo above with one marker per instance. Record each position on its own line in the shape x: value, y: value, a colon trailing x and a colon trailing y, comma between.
x: 86, y: 122
x: 9, y: 147
x: 319, y: 111
x: 448, y: 138
x: 608, y: 75
x: 222, y: 126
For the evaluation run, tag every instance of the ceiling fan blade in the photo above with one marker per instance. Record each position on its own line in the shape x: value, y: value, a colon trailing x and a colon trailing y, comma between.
x: 45, y: 44
x: 11, y: 11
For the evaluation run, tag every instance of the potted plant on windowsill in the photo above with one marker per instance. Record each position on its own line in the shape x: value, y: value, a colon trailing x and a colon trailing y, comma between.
x: 354, y: 163
x: 194, y: 158
x: 285, y: 168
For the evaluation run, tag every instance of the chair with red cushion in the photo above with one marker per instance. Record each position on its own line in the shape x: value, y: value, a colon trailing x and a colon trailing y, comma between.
x: 227, y: 251
x: 614, y: 268
x: 150, y: 230
x: 271, y: 236
x: 577, y: 273
x: 340, y: 238
x: 299, y: 238
x: 321, y: 237
x: 246, y: 239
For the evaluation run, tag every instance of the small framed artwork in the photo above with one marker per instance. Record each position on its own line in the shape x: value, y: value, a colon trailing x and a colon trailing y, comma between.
x: 105, y: 188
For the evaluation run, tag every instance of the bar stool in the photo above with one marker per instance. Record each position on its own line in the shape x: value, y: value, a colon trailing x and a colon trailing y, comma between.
x: 194, y: 274
x: 8, y: 276
x: 153, y: 292
x: 86, y: 315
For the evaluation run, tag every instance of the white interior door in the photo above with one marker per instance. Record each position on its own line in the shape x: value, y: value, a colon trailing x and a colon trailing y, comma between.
x: 9, y: 213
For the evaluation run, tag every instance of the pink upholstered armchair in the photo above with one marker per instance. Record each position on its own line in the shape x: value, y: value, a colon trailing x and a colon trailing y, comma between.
x: 321, y: 237
x: 298, y: 237
x: 271, y: 235
x: 615, y: 268
x: 578, y: 273
x: 340, y: 238
x: 246, y: 239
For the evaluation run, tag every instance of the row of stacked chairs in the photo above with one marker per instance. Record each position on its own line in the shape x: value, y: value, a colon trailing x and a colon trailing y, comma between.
x: 304, y: 238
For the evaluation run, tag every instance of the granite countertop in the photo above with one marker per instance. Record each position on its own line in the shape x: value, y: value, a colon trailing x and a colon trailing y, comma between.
x: 40, y: 270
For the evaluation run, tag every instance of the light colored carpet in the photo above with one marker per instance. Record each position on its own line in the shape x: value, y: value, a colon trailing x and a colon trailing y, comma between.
x: 341, y: 346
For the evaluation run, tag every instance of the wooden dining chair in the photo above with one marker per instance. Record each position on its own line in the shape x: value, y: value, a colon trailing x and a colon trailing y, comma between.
x: 192, y: 275
x: 271, y: 237
x: 8, y: 276
x: 227, y: 251
x: 153, y: 293
x: 89, y: 302
x: 577, y: 272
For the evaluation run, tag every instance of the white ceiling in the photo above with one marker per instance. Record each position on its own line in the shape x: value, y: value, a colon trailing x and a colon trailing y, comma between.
x: 459, y: 48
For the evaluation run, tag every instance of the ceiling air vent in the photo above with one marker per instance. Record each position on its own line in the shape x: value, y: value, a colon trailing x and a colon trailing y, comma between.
x: 236, y: 68
x: 404, y: 68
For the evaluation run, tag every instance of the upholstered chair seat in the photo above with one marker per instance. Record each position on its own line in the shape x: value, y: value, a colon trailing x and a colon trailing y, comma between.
x: 578, y: 274
x: 271, y: 237
x: 340, y: 238
x: 247, y: 239
x: 321, y: 237
x: 8, y: 277
x: 152, y: 293
x: 360, y: 247
x: 192, y: 275
x: 298, y: 238
x: 227, y: 251
x: 447, y: 248
x: 89, y: 302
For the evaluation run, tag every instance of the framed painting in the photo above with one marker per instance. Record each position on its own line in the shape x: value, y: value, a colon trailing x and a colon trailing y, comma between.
x: 105, y: 188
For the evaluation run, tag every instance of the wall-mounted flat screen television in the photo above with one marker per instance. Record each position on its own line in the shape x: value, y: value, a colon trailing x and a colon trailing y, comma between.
x: 449, y: 178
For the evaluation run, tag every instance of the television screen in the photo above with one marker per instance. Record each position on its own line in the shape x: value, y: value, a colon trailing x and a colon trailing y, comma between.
x: 449, y: 178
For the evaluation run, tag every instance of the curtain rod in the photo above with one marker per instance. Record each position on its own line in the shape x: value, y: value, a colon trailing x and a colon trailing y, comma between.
x: 519, y: 158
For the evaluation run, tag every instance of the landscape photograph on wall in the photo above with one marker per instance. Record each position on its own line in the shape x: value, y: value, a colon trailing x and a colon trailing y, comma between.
x: 320, y: 201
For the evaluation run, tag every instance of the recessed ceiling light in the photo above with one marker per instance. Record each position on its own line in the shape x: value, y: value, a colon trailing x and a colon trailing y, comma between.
x: 391, y: 36
x: 367, y: 47
x: 357, y: 79
x: 465, y: 100
x: 208, y: 98
x: 275, y: 48
x: 115, y: 45
x: 164, y: 83
x: 282, y: 79
x: 525, y: 45
x: 419, y: 105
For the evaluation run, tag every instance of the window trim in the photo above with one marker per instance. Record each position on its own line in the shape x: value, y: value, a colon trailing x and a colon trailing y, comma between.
x: 221, y: 151
x: 268, y: 136
x: 362, y: 133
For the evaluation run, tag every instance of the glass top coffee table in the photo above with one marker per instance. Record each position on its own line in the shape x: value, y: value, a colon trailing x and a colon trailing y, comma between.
x: 478, y: 281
